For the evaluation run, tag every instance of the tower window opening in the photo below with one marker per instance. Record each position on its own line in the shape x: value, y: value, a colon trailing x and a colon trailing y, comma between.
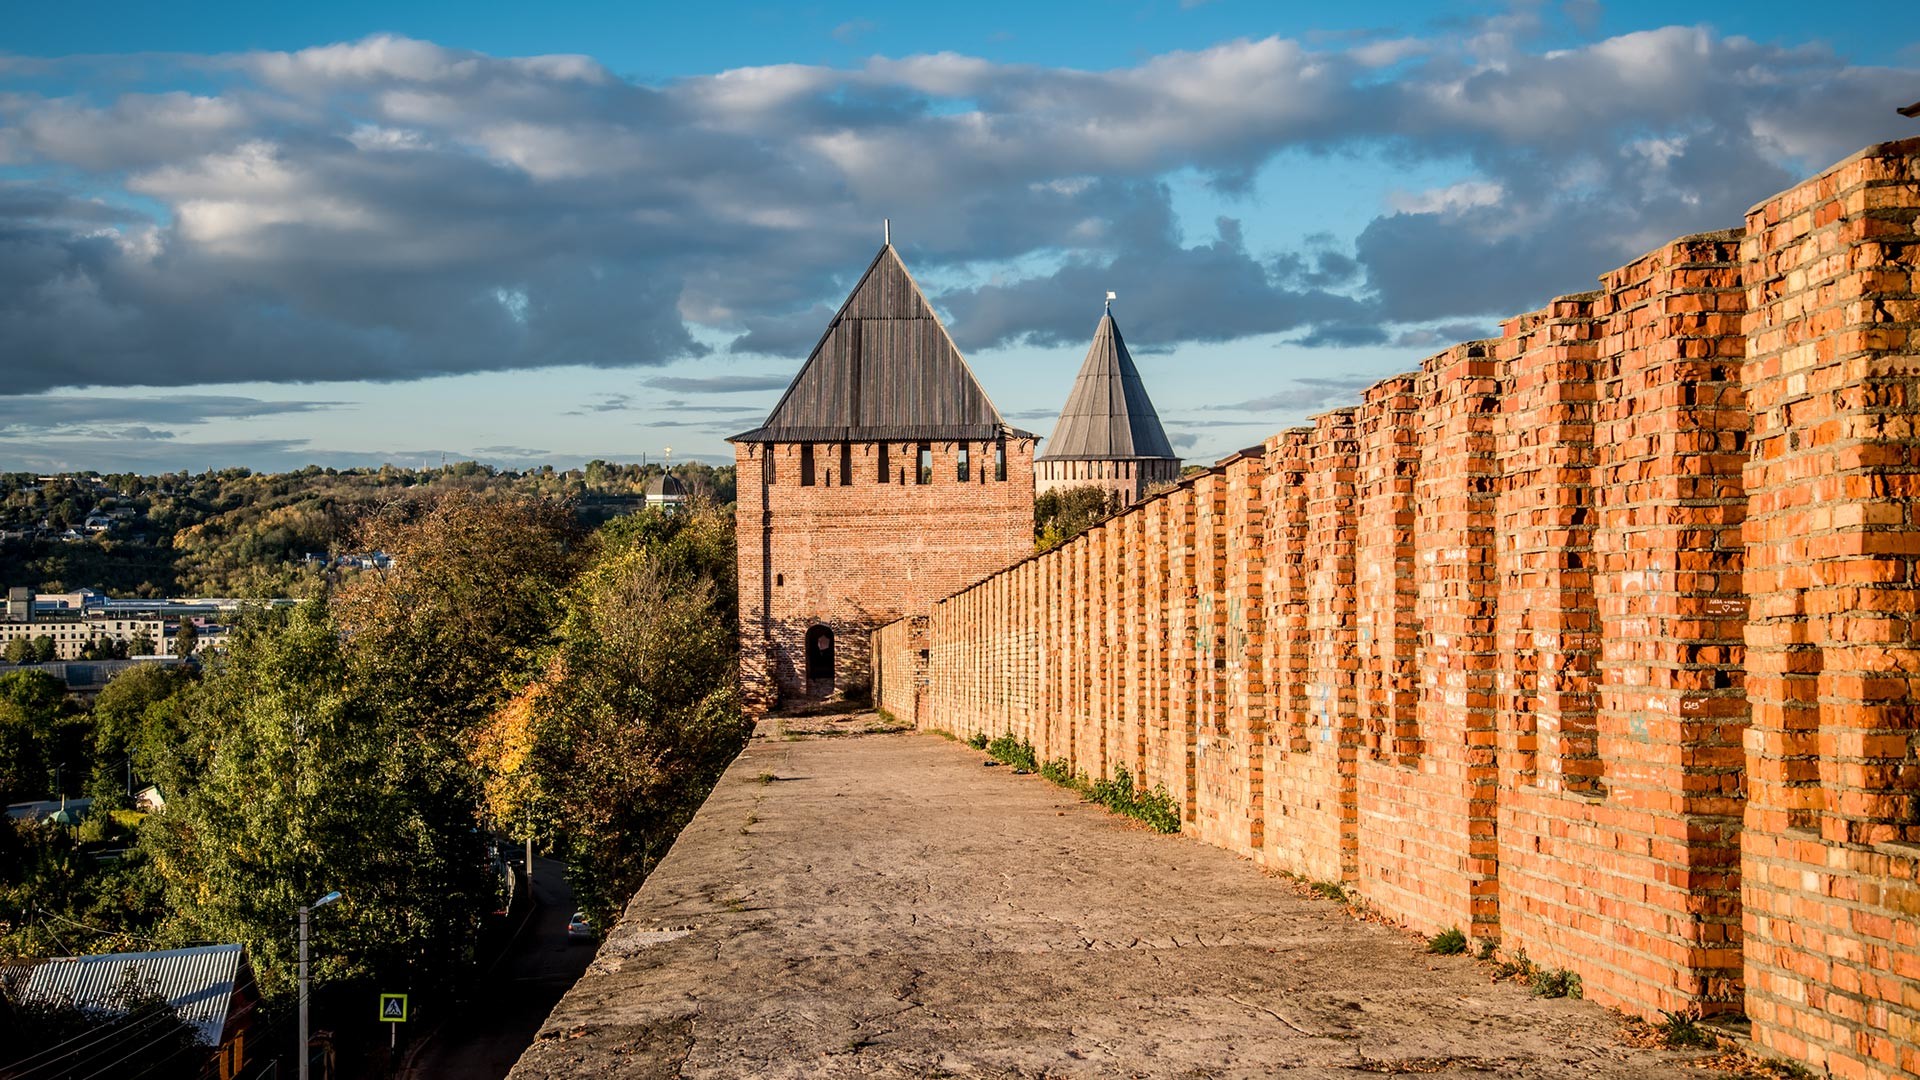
x: 964, y: 471
x: 926, y: 464
x: 884, y: 478
x: 806, y: 464
x: 1000, y: 460
x: 846, y: 464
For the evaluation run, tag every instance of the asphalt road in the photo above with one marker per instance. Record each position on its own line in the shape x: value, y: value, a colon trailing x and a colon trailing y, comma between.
x: 487, y: 1035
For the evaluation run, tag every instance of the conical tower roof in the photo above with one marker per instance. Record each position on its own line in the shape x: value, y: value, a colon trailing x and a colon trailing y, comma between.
x: 885, y: 369
x: 1108, y: 415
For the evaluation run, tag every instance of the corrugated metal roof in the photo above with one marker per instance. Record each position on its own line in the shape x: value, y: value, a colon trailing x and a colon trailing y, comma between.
x: 197, y: 982
x: 1108, y: 415
x: 884, y: 369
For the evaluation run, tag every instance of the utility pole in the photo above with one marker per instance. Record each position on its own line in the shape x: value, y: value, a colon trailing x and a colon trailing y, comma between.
x: 306, y: 911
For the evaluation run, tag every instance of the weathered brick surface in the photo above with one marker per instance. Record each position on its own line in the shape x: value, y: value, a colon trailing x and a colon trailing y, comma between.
x: 1597, y: 640
x: 855, y: 556
x: 1831, y: 853
x: 1426, y: 843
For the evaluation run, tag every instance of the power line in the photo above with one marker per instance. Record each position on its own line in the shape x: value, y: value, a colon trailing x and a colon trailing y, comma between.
x: 97, y: 930
x: 106, y: 1043
x: 144, y: 1047
x: 89, y: 1035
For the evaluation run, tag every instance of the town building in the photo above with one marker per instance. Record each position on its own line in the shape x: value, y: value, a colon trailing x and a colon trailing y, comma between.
x: 1108, y: 434
x: 211, y: 987
x: 883, y: 480
x: 666, y: 492
x: 76, y: 620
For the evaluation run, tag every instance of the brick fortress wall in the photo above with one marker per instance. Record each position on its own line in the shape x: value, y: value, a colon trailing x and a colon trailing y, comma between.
x: 852, y: 553
x: 1596, y: 640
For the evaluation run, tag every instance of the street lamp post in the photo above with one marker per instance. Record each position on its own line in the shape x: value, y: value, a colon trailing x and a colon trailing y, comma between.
x: 306, y: 911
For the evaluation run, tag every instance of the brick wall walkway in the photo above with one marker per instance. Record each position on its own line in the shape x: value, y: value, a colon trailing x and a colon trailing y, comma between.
x: 883, y: 905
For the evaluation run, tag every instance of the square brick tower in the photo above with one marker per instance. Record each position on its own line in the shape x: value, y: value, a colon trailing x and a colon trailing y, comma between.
x: 884, y: 480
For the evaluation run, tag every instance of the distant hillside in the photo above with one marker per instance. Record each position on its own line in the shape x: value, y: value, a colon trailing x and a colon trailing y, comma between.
x: 241, y: 533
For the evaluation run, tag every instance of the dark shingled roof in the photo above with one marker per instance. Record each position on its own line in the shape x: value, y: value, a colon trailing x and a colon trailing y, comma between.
x: 885, y: 369
x: 1108, y: 416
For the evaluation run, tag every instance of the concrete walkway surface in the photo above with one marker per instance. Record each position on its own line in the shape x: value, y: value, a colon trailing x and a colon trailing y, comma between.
x: 883, y: 905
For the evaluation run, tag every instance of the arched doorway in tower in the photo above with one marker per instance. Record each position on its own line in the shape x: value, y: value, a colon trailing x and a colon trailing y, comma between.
x: 819, y: 660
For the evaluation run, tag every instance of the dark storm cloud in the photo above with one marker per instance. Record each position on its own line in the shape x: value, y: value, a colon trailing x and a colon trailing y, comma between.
x: 1168, y: 293
x: 389, y: 208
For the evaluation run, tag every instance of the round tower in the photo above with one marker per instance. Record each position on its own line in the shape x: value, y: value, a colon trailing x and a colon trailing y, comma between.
x: 1108, y: 434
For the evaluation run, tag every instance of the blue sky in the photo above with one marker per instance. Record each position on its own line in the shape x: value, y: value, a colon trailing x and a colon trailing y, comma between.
x: 352, y: 233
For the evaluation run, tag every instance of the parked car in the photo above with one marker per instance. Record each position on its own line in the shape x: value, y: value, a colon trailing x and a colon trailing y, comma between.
x: 579, y: 928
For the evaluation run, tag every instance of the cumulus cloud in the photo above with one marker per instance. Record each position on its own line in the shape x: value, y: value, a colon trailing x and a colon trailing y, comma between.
x: 392, y: 208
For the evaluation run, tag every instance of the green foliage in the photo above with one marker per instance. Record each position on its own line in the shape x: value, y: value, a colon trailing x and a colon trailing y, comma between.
x: 637, y: 715
x: 1064, y: 513
x: 506, y: 671
x: 19, y: 651
x: 1682, y: 1031
x: 40, y: 735
x: 239, y: 533
x: 1554, y: 983
x: 1058, y: 771
x: 1448, y: 942
x: 1487, y: 948
x: 977, y: 740
x: 144, y: 1036
x: 472, y: 602
x: 1154, y: 808
x: 139, y: 719
x: 299, y: 784
x: 1516, y: 966
x: 1332, y: 890
x: 56, y: 898
x: 1015, y: 752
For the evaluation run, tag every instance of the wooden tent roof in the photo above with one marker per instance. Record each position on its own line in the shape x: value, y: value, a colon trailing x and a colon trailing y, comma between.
x: 885, y: 369
x: 1108, y: 416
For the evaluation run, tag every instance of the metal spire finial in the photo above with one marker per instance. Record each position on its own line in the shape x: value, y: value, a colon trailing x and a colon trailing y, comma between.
x: 1111, y: 297
x: 886, y: 231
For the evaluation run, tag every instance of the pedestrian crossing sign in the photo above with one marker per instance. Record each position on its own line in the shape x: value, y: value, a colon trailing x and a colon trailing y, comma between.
x: 393, y: 1008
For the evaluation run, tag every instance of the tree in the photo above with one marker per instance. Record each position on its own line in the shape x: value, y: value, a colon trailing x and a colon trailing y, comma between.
x: 36, y: 733
x: 468, y: 608
x: 19, y: 651
x: 141, y: 644
x: 1064, y: 513
x: 301, y: 785
x: 636, y: 716
x: 44, y: 649
x: 186, y: 639
x: 139, y: 719
x: 23, y: 755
